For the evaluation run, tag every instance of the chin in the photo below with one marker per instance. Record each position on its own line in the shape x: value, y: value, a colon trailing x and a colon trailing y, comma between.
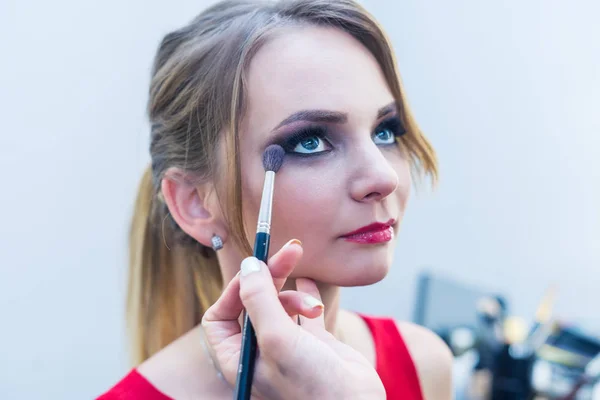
x: 347, y: 268
x: 354, y: 274
x: 370, y: 276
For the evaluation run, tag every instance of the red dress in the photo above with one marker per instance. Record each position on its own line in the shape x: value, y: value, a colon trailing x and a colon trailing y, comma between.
x: 393, y: 363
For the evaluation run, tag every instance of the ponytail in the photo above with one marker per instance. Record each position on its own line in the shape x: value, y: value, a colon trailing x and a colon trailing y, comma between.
x: 172, y: 278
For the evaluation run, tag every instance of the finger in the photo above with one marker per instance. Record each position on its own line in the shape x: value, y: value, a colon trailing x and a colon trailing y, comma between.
x: 220, y: 321
x: 282, y: 263
x: 309, y: 287
x: 260, y: 298
x: 298, y: 303
x: 229, y: 305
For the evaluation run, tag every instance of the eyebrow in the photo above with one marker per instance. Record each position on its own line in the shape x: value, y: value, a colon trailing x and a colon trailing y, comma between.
x: 332, y: 117
x: 390, y: 108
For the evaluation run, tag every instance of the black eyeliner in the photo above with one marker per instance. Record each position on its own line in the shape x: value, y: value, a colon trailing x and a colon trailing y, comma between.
x: 394, y: 124
x: 291, y: 140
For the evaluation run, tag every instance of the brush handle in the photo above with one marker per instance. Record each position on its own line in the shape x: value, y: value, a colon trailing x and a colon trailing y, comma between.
x: 243, y: 386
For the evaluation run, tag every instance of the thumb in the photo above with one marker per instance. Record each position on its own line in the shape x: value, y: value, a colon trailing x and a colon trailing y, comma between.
x: 260, y: 298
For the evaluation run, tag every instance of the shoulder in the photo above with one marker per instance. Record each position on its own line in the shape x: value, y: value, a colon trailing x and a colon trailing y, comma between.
x: 432, y: 358
x: 175, y: 370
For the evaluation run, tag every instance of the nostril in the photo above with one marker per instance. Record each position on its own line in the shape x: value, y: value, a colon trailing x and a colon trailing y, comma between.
x: 372, y: 196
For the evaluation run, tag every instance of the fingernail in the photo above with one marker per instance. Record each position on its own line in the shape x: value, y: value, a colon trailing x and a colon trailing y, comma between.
x: 293, y: 241
x: 249, y: 265
x: 312, y: 302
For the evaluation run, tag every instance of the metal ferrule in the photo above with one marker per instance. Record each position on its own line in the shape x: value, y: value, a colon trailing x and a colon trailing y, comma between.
x: 266, y: 204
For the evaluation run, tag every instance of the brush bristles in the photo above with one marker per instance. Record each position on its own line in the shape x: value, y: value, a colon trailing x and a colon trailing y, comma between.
x: 273, y: 158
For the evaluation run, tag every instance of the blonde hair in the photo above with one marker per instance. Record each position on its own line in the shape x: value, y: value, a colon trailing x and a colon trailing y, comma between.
x: 196, y: 99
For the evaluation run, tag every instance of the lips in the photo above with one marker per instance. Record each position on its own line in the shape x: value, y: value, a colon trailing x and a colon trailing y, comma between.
x: 377, y: 232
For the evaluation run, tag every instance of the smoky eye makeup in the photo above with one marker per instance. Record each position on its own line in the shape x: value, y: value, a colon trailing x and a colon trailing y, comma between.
x: 305, y: 141
x: 391, y: 124
x: 315, y: 139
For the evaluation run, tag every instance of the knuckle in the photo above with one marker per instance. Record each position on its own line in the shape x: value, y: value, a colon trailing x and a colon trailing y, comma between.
x: 252, y: 294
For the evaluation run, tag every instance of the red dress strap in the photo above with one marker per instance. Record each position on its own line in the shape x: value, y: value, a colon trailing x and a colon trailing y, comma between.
x: 134, y: 387
x: 393, y: 360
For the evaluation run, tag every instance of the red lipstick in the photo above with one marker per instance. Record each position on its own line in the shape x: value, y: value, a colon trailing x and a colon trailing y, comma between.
x: 371, y: 234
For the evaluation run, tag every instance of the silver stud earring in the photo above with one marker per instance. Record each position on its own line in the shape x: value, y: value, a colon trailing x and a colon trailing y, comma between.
x: 217, y: 242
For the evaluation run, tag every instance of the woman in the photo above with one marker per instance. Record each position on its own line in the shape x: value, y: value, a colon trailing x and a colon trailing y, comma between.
x: 319, y: 78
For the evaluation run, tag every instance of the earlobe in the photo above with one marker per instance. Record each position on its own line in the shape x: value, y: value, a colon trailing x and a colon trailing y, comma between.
x: 192, y: 207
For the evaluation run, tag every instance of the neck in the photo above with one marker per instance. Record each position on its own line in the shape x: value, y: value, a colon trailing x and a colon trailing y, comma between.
x: 330, y: 295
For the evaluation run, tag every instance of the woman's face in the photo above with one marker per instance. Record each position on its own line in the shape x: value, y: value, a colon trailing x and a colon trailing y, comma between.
x: 322, y: 96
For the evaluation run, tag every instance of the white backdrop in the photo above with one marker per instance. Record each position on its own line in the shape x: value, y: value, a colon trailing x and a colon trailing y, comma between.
x: 508, y: 93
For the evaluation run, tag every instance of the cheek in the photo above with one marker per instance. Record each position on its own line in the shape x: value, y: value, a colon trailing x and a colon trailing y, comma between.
x: 252, y: 186
x: 402, y: 168
x: 305, y: 200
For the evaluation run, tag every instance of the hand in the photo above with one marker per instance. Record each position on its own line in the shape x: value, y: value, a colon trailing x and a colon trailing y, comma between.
x: 295, y: 361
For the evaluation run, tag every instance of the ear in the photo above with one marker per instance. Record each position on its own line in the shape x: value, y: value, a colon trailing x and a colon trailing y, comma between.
x: 194, y: 207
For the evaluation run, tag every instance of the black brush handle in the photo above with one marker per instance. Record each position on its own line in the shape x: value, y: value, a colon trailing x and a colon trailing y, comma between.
x: 243, y: 386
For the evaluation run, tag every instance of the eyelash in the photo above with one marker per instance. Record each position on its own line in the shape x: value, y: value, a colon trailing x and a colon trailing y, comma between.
x: 289, y: 143
x: 394, y: 125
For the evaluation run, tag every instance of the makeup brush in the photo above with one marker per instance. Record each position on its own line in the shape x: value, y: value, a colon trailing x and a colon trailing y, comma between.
x: 542, y: 327
x: 543, y: 324
x: 272, y: 160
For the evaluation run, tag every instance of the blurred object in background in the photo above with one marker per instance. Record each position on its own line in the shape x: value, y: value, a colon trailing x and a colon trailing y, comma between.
x: 443, y: 303
x: 570, y: 358
x: 491, y: 319
x: 503, y: 357
x: 513, y: 365
x: 468, y: 319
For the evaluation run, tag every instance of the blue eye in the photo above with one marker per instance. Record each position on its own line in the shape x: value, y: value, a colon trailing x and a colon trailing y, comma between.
x: 313, y: 144
x: 387, y: 131
x: 308, y: 141
x: 384, y: 136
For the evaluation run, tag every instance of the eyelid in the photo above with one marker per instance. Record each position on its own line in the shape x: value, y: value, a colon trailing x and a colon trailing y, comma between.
x: 291, y: 140
x: 288, y: 140
x: 392, y: 122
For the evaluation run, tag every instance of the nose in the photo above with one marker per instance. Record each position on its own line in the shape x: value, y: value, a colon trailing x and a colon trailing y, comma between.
x: 373, y: 177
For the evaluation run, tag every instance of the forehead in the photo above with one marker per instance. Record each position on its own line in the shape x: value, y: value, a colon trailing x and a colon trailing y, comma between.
x: 313, y: 68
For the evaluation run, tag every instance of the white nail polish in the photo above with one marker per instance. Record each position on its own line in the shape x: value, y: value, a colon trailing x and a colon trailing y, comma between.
x: 312, y: 302
x: 249, y: 265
